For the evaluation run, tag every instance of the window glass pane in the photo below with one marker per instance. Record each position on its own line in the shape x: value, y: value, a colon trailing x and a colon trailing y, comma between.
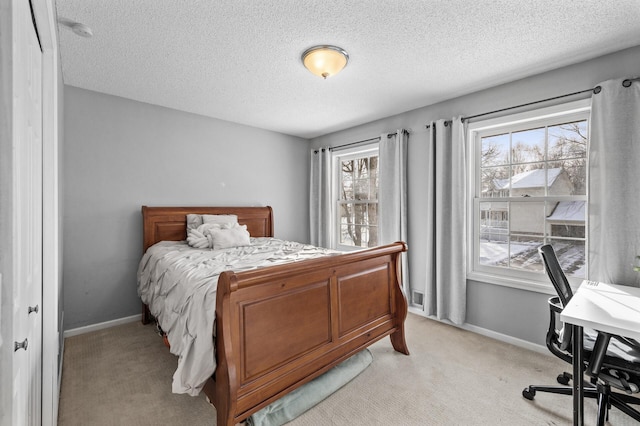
x: 346, y: 213
x: 346, y: 234
x: 523, y: 253
x: 373, y: 213
x: 354, y: 235
x: 566, y: 230
x: 495, y: 150
x: 527, y: 146
x: 494, y: 251
x: 361, y: 237
x: 357, y: 209
x: 566, y: 219
x: 347, y: 169
x: 361, y: 189
x: 347, y: 190
x: 568, y: 140
x: 527, y: 218
x: 494, y: 233
x: 494, y: 218
x: 373, y: 222
x: 495, y: 182
x: 360, y: 214
x: 362, y: 168
x: 528, y: 180
x: 346, y: 181
x: 571, y: 255
x: 568, y: 177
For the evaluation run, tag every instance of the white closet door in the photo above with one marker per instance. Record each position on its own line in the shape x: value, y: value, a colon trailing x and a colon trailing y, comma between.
x: 27, y: 219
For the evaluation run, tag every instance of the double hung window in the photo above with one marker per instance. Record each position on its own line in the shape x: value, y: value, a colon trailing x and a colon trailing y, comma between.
x: 356, y: 195
x: 529, y: 188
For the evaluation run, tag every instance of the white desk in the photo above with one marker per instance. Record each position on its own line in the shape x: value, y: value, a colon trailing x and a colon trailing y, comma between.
x: 604, y: 307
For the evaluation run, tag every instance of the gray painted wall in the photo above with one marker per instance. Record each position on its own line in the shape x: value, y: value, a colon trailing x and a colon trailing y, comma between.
x: 517, y: 313
x: 121, y: 154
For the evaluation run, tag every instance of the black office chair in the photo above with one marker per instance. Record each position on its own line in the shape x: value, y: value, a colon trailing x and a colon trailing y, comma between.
x: 610, y: 361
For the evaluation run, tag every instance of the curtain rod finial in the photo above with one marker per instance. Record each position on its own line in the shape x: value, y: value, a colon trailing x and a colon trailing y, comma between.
x: 597, y: 89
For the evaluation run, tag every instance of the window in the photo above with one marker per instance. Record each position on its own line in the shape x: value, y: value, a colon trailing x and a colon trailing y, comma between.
x: 529, y: 188
x: 356, y: 210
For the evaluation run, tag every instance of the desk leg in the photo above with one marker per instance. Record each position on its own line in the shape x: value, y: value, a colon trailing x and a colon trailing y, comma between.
x: 578, y: 377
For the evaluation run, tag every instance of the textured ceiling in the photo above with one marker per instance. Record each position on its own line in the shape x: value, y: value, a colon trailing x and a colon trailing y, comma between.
x: 239, y: 60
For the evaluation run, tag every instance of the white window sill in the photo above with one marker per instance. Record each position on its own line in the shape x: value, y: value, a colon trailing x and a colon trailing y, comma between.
x: 521, y: 284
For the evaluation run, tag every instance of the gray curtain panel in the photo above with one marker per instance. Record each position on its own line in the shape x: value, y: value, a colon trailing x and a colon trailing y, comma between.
x: 445, y: 289
x: 614, y: 183
x: 320, y: 197
x: 392, y: 193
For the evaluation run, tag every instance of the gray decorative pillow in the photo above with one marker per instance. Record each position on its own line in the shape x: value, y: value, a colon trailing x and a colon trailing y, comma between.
x: 193, y: 221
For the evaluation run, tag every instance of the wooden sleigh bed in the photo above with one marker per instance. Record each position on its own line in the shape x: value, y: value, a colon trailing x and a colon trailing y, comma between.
x: 279, y: 327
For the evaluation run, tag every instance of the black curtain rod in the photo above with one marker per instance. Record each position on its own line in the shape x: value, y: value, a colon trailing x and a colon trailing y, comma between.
x: 595, y: 90
x: 626, y: 83
x: 332, y: 148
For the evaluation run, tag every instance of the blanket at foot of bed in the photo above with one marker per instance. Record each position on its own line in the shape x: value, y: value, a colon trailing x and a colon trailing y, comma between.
x: 308, y: 395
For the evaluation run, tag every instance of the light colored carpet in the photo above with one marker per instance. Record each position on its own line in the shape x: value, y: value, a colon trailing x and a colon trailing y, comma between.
x: 122, y: 376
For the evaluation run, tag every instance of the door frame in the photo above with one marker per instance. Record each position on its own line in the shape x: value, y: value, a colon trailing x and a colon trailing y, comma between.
x: 45, y: 19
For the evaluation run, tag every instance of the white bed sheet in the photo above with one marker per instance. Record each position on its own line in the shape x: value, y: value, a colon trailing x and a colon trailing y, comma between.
x: 179, y: 284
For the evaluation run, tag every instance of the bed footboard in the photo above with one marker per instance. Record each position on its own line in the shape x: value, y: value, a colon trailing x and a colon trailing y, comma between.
x: 280, y: 327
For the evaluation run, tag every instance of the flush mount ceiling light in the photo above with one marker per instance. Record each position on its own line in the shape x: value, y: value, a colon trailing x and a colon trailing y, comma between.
x: 325, y: 61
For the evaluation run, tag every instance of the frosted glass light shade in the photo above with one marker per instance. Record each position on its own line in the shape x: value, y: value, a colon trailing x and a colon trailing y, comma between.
x: 325, y: 61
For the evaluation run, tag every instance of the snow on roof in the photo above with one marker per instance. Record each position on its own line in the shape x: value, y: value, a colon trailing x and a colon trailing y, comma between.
x: 568, y: 211
x: 531, y: 179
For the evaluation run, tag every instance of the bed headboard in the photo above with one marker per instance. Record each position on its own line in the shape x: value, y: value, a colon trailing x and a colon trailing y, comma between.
x: 170, y: 223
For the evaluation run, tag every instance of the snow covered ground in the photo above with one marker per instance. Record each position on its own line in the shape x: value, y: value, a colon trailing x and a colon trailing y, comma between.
x: 524, y: 255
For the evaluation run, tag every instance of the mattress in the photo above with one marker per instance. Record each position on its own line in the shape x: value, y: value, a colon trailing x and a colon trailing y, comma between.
x: 178, y: 283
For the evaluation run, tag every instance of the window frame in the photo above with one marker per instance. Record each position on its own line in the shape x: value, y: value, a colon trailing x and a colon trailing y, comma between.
x: 548, y: 116
x: 365, y: 150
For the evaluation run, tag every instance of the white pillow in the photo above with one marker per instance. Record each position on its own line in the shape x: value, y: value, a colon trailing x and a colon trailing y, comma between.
x: 230, y: 237
x: 201, y: 237
x: 219, y: 218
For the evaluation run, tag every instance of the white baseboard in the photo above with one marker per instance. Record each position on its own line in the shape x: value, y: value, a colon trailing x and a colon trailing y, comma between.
x: 506, y: 338
x: 489, y: 333
x: 100, y: 326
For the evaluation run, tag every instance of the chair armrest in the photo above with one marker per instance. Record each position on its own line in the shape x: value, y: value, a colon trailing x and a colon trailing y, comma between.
x: 555, y: 305
x: 553, y: 342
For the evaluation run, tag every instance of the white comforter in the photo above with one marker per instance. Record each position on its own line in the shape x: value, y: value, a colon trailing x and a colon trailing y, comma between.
x: 179, y: 283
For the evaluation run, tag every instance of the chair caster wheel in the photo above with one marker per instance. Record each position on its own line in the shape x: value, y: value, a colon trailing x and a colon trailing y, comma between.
x: 529, y: 393
x: 563, y: 378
